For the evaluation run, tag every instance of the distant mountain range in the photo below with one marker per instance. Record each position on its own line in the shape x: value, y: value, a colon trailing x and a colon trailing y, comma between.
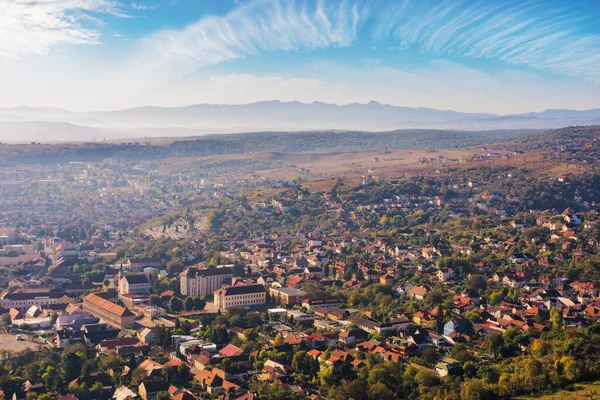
x: 23, y: 124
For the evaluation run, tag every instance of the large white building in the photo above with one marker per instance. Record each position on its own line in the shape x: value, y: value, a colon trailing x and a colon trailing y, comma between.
x: 240, y: 296
x: 134, y: 284
x: 22, y: 301
x: 8, y: 236
x: 137, y: 264
x: 195, y: 282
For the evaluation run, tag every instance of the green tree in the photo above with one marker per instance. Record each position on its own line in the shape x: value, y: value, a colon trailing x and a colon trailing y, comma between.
x: 497, y: 296
x: 96, y: 388
x: 5, y: 321
x: 199, y: 303
x: 188, y: 303
x: 474, y: 389
x: 163, y: 396
x: 556, y: 318
x: 183, y: 372
x: 71, y: 362
x: 175, y: 304
x: 379, y: 391
x: 155, y: 300
x: 305, y: 364
x: 278, y: 341
x: 494, y: 344
x: 110, y: 361
x: 357, y: 389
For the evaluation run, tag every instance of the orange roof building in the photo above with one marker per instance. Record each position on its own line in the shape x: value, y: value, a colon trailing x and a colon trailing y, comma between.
x: 113, y: 314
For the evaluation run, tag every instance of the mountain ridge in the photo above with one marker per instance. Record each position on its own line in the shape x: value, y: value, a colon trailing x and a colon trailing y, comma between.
x: 273, y: 115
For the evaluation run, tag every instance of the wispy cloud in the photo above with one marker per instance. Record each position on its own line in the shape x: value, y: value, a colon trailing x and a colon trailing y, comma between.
x: 547, y: 35
x: 536, y: 34
x: 260, y: 26
x: 533, y: 33
x: 33, y: 27
x: 139, y: 6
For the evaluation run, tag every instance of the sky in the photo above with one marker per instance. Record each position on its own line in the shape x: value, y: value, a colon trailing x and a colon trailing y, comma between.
x: 498, y: 56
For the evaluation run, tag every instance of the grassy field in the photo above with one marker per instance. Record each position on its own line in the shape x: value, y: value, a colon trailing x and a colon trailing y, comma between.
x: 580, y: 391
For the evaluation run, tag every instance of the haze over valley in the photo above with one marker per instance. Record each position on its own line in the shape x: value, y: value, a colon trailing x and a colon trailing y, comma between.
x: 23, y: 124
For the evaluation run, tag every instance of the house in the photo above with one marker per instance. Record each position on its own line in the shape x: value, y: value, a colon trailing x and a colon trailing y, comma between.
x: 90, y: 380
x: 273, y: 370
x: 121, y: 346
x: 210, y: 381
x: 321, y: 302
x: 124, y: 393
x: 151, y: 313
x: 445, y: 274
x: 179, y: 394
x: 417, y: 292
x: 75, y: 321
x: 149, y: 390
x: 353, y: 336
x: 520, y: 258
x: 472, y: 295
x: 419, y: 339
x: 300, y: 317
x: 231, y: 351
x: 15, y: 314
x: 201, y: 362
x: 386, y: 279
x: 336, y: 314
x: 424, y: 319
x: 401, y: 323
x: 149, y: 335
x: 447, y: 367
x: 152, y: 370
x: 459, y: 325
x: 287, y: 295
x: 573, y: 219
x: 95, y: 333
x: 365, y: 324
x: 316, y: 271
x: 403, y: 288
x: 29, y: 389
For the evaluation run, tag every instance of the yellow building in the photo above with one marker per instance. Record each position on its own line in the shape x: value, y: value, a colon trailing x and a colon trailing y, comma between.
x: 240, y: 296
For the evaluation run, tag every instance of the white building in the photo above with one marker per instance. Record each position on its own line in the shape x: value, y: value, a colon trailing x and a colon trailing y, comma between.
x: 240, y: 296
x: 137, y: 264
x: 8, y: 236
x: 22, y: 301
x: 134, y: 284
x: 195, y: 282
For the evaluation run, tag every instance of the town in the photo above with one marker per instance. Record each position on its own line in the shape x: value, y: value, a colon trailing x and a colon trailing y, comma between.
x: 472, y: 278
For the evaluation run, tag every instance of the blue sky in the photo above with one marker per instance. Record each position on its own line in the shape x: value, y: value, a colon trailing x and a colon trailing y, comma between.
x: 498, y: 56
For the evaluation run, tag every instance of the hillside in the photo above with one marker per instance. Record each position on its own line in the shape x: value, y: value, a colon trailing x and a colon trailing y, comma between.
x: 576, y: 137
x: 245, y: 143
x: 580, y: 140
